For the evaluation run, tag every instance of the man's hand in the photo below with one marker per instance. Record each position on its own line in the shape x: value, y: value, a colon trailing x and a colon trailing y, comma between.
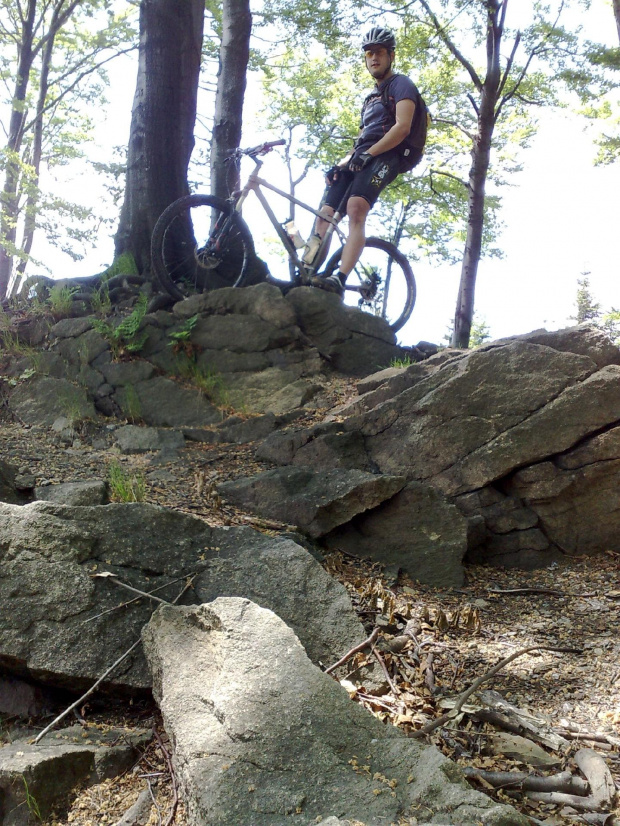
x: 359, y: 162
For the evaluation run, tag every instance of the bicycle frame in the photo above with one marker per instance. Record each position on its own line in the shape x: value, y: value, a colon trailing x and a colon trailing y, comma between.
x: 254, y: 184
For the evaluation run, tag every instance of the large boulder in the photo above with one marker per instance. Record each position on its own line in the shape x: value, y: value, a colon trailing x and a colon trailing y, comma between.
x: 314, y: 501
x: 261, y: 735
x: 43, y: 399
x: 65, y: 626
x: 417, y: 530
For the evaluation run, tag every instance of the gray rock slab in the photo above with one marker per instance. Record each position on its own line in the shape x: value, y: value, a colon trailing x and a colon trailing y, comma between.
x: 137, y: 439
x: 294, y: 395
x: 263, y: 301
x: 34, y: 779
x: 313, y: 500
x: 165, y: 403
x: 94, y: 492
x: 478, y: 417
x: 63, y: 629
x: 583, y: 339
x: 417, y: 530
x: 42, y: 399
x: 263, y: 736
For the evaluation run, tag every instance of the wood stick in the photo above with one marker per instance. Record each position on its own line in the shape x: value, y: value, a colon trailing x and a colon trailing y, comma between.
x: 462, y: 698
x: 98, y: 682
x: 114, y: 578
x: 583, y: 804
x: 369, y: 642
x: 135, y: 599
x: 391, y: 683
x: 175, y: 792
x: 599, y: 777
x: 562, y: 782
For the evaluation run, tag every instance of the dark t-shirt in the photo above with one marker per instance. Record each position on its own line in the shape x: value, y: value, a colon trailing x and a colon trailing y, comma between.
x: 376, y: 119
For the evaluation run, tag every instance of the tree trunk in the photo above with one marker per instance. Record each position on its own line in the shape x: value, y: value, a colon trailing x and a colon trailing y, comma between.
x: 234, y: 56
x: 481, y: 156
x: 617, y: 15
x: 162, y: 122
x: 10, y: 206
x: 30, y: 212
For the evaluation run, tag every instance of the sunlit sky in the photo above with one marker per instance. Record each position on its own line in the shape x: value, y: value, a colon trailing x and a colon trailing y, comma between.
x: 561, y: 218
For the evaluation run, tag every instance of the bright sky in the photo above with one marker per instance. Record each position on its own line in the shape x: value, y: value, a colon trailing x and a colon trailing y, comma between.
x: 561, y: 219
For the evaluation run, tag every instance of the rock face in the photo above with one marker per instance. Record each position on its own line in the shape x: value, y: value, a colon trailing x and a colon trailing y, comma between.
x: 519, y: 435
x: 253, y: 349
x: 62, y: 628
x: 261, y: 735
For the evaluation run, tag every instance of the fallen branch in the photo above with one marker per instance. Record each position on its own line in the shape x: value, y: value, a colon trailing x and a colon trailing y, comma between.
x: 114, y: 578
x: 138, y: 814
x: 582, y: 804
x: 175, y: 792
x: 135, y: 599
x: 523, y: 781
x: 594, y: 768
x: 96, y: 684
x: 462, y: 698
x: 369, y: 642
x: 391, y: 683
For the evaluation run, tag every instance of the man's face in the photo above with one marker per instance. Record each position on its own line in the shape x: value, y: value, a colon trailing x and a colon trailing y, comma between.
x: 378, y: 61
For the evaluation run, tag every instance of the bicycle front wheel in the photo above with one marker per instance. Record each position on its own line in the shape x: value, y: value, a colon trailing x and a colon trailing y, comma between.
x: 382, y: 281
x: 200, y: 243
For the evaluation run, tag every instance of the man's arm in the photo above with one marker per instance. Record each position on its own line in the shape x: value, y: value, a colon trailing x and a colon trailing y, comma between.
x: 405, y: 110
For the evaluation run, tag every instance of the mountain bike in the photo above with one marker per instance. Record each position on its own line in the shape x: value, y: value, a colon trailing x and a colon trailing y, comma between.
x: 201, y: 242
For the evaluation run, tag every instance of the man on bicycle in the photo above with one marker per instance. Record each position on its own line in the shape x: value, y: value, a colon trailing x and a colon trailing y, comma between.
x: 374, y: 160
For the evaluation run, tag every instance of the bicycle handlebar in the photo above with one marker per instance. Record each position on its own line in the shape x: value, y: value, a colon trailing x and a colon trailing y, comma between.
x: 254, y: 151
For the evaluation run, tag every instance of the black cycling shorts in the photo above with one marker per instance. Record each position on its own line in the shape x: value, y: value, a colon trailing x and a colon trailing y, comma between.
x: 367, y: 184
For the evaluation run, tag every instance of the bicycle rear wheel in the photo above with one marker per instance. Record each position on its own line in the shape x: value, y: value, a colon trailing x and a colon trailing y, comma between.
x: 200, y: 243
x: 386, y: 282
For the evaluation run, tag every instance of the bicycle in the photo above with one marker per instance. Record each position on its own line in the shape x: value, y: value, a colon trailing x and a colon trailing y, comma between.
x: 200, y: 242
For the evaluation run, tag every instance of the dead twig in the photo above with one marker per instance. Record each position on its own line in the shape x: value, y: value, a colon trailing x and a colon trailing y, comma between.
x: 98, y: 682
x: 391, y: 683
x: 175, y: 792
x: 135, y: 599
x: 562, y: 782
x: 114, y: 578
x: 462, y: 698
x: 369, y: 642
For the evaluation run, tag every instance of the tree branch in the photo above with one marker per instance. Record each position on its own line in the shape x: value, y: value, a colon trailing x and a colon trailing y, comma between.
x: 451, y: 46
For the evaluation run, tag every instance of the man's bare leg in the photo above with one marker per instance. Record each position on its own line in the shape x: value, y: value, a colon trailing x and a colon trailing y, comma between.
x: 357, y: 211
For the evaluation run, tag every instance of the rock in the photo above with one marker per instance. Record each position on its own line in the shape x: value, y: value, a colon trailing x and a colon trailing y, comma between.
x: 94, y: 492
x: 284, y: 577
x: 417, y: 530
x: 36, y: 779
x: 294, y: 395
x: 576, y: 496
x: 19, y: 698
x: 8, y: 490
x: 314, y: 501
x: 262, y: 735
x: 135, y: 439
x: 41, y: 400
x: 62, y: 630
x: 164, y: 403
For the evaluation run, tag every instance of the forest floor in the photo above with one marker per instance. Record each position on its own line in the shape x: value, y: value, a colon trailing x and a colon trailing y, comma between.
x: 567, y: 614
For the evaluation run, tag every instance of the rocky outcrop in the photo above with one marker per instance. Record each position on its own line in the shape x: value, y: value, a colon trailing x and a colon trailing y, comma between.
x: 519, y: 435
x: 261, y: 735
x: 65, y: 626
x: 254, y: 349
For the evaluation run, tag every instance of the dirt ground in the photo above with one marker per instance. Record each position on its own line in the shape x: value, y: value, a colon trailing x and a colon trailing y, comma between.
x: 567, y: 613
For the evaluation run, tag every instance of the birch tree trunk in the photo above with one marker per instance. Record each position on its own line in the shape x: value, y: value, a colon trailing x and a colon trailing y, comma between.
x: 231, y: 82
x: 162, y: 123
x: 617, y: 15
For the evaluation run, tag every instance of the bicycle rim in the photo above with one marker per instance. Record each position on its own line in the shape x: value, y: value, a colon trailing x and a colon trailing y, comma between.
x: 392, y: 296
x: 199, y: 243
